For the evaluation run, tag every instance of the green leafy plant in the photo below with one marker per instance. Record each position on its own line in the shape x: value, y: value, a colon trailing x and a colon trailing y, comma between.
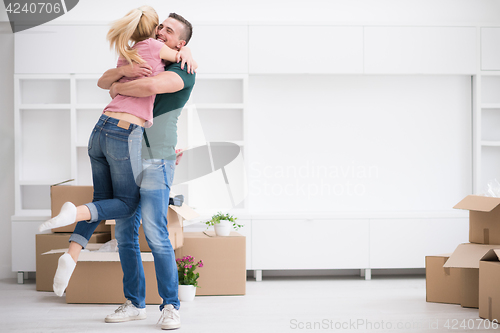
x: 186, y: 268
x: 219, y: 216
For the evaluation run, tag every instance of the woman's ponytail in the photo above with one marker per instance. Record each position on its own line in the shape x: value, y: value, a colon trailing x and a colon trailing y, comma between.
x: 139, y: 24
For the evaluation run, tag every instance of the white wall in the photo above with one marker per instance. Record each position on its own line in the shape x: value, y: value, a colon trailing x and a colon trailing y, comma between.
x: 354, y: 143
x: 6, y: 146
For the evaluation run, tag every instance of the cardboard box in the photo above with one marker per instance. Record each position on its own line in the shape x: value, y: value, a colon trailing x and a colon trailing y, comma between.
x: 484, y: 218
x: 175, y: 217
x: 46, y: 266
x: 98, y: 278
x: 442, y: 283
x: 489, y: 289
x: 78, y: 195
x: 467, y: 257
x: 224, y: 267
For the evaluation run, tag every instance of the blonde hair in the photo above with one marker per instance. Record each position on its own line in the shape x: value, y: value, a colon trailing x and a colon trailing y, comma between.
x: 139, y: 24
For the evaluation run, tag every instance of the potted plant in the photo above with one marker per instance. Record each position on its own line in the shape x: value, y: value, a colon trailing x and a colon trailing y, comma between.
x: 222, y: 223
x: 187, y: 277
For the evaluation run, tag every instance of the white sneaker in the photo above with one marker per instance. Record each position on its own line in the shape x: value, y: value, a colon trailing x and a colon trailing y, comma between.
x: 170, y: 318
x: 125, y: 312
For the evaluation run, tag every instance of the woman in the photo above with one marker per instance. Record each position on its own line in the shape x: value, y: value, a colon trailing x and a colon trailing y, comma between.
x: 116, y: 140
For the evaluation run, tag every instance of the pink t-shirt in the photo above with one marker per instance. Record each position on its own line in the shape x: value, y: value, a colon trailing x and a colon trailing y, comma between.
x: 142, y: 107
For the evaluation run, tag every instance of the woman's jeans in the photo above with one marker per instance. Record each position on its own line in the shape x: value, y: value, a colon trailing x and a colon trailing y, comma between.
x: 155, y: 189
x: 115, y: 157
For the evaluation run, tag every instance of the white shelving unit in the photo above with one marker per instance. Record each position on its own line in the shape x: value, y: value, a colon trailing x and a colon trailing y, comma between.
x: 487, y: 128
x: 487, y: 109
x: 215, y: 112
x: 54, y: 116
x: 53, y: 119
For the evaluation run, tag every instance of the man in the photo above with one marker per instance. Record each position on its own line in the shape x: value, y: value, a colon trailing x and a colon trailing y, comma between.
x: 173, y: 87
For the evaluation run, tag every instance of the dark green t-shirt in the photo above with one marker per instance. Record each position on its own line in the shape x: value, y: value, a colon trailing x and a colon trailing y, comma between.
x: 162, y: 136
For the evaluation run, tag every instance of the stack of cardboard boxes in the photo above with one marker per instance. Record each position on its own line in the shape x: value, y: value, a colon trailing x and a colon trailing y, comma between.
x: 59, y: 238
x: 98, y: 276
x: 469, y: 275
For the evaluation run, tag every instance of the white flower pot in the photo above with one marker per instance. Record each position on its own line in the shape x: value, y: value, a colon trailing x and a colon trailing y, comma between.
x: 187, y: 292
x: 223, y: 228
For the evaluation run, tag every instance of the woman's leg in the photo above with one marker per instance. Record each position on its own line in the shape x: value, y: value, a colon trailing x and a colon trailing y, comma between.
x: 69, y: 214
x: 112, y: 153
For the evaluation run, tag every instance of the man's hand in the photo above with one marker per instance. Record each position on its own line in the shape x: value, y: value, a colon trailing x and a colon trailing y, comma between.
x: 136, y: 70
x: 112, y: 90
x: 184, y: 55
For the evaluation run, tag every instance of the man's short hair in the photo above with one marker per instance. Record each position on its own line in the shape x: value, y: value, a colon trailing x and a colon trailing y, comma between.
x: 188, y: 28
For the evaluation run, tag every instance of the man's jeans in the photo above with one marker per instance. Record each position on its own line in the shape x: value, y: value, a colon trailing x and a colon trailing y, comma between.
x: 115, y: 156
x: 155, y: 189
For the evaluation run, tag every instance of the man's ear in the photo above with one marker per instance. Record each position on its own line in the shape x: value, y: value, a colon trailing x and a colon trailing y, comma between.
x: 181, y: 44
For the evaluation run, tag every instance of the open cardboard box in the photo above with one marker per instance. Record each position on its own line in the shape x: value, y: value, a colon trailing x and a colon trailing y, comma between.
x: 176, y: 216
x: 489, y: 289
x: 46, y: 265
x: 442, y: 283
x: 484, y: 218
x: 467, y: 257
x: 78, y: 195
x: 224, y: 267
x: 98, y: 277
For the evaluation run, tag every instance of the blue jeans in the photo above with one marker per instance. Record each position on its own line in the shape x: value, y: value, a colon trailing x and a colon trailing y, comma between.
x: 157, y: 178
x: 115, y: 157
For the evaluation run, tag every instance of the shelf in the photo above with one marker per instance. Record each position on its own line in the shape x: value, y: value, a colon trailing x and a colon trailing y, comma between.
x: 490, y: 73
x: 90, y: 106
x: 215, y: 106
x: 45, y: 106
x: 31, y: 214
x: 490, y: 106
x: 41, y: 182
x: 490, y: 143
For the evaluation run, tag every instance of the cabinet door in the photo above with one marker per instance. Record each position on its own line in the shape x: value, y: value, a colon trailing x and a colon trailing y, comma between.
x: 305, y: 49
x: 311, y: 244
x: 490, y: 49
x: 404, y: 243
x: 420, y: 50
x: 63, y: 49
x: 24, y: 244
x: 221, y: 49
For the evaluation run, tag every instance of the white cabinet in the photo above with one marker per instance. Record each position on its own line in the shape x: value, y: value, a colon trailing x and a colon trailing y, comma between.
x: 404, y: 243
x: 490, y: 49
x: 63, y: 49
x: 220, y: 49
x: 420, y: 50
x: 24, y: 230
x: 305, y: 49
x: 310, y: 244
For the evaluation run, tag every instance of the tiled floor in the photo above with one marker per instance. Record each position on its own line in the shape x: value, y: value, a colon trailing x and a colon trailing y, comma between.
x: 277, y: 304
